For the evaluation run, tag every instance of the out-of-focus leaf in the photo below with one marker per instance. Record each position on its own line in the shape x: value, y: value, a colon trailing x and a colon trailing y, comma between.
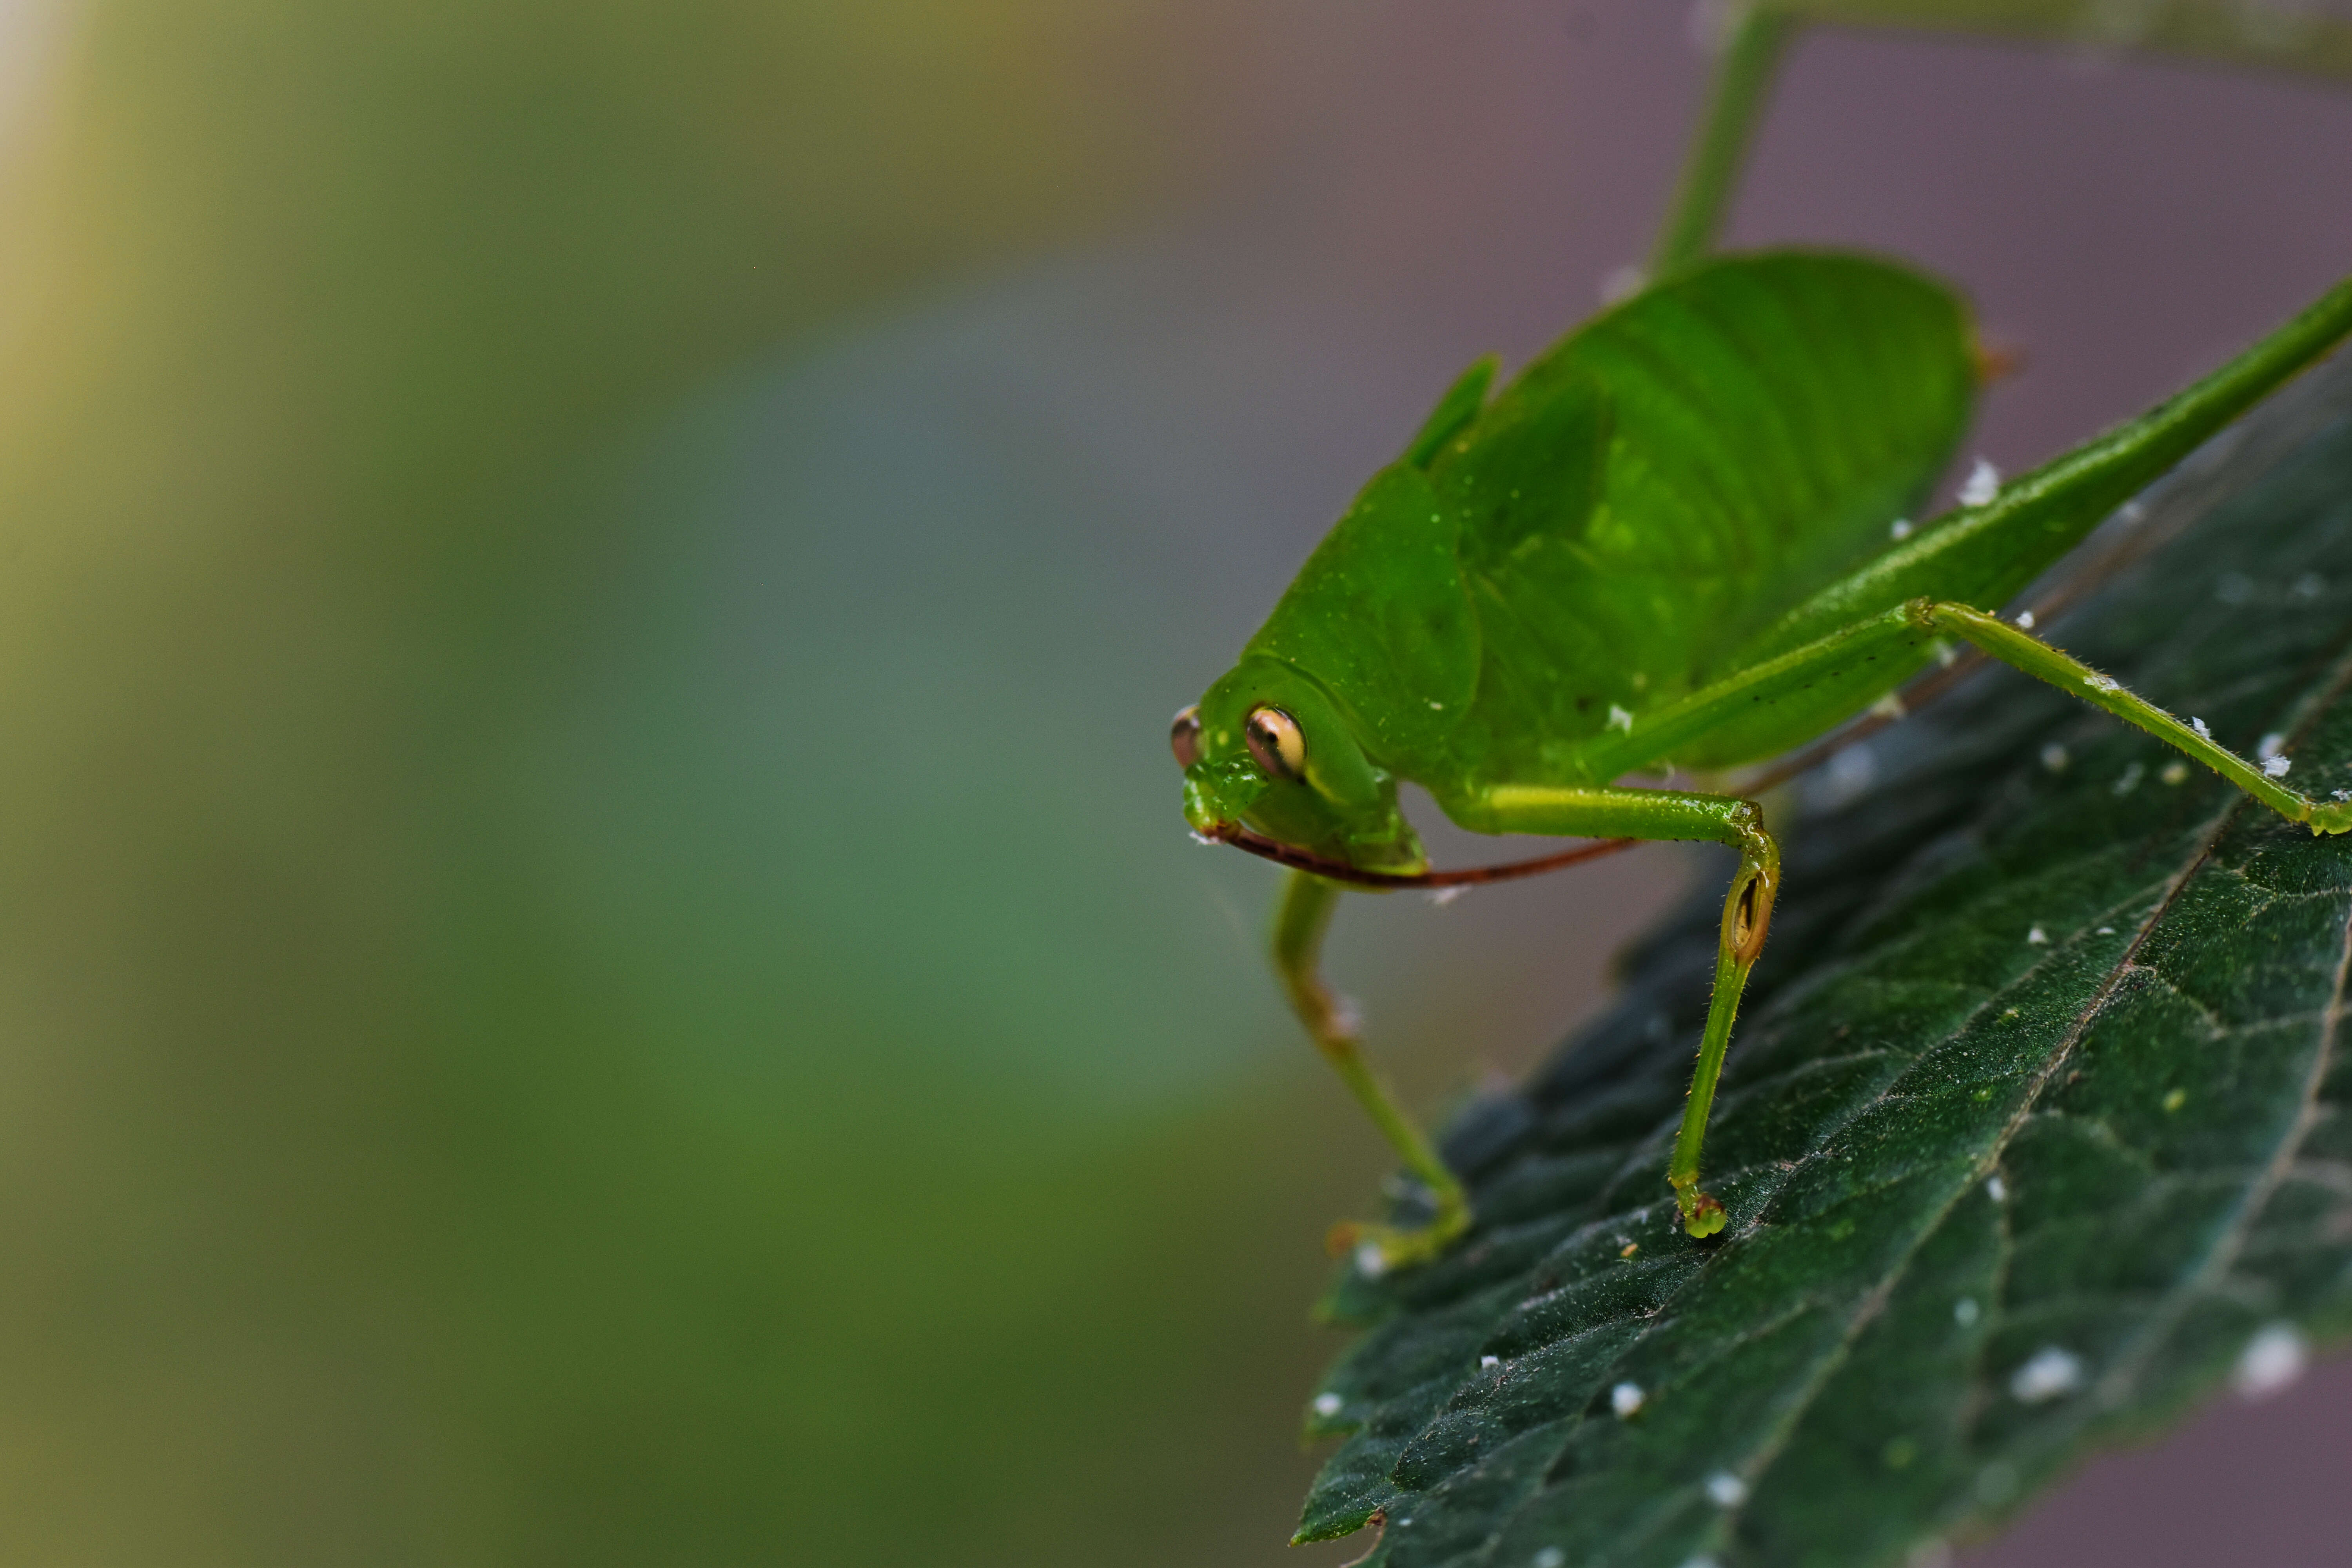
x: 2310, y: 35
x: 2033, y: 1131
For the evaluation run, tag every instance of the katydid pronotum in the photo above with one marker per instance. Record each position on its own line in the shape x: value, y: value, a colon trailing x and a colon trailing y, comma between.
x: 1676, y: 542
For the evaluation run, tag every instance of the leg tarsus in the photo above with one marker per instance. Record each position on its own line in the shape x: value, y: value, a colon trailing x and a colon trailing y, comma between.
x: 1378, y: 1248
x: 1703, y: 1216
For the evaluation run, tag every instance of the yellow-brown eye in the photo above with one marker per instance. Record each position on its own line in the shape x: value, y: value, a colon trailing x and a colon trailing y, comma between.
x: 1184, y: 736
x: 1274, y: 741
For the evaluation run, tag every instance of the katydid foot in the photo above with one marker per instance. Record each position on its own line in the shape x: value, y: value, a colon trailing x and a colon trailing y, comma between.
x: 1379, y: 1249
x: 1702, y: 1214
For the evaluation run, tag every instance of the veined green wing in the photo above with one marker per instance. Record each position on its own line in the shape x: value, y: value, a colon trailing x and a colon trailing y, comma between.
x: 1678, y: 473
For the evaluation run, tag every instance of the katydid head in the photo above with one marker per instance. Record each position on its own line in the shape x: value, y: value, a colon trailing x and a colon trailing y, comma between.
x: 1268, y: 748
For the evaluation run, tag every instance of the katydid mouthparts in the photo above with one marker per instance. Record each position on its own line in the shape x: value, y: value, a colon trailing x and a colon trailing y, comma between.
x: 1678, y: 541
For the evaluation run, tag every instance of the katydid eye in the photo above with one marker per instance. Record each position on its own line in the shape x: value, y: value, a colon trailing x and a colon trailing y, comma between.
x: 1274, y: 741
x: 1184, y: 736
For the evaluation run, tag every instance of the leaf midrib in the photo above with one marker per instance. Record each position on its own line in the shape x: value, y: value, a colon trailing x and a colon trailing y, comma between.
x: 2307, y: 711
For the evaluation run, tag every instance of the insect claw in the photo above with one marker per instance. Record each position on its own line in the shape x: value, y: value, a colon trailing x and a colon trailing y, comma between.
x: 1376, y: 1250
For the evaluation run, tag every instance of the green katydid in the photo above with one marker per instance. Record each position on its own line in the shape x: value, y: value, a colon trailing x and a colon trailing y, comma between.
x: 1676, y: 541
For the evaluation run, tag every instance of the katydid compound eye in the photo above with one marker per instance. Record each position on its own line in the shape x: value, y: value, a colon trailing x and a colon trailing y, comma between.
x: 1274, y: 741
x: 1184, y: 736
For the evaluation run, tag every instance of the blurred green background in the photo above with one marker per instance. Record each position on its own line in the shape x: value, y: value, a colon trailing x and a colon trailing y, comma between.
x: 597, y: 960
x: 598, y: 964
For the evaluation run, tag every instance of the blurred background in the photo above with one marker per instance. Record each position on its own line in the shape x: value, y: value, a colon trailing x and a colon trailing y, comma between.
x: 597, y: 960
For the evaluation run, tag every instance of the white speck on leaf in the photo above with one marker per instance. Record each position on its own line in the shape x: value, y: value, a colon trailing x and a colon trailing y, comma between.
x: 2102, y: 682
x: 1327, y: 1404
x: 2131, y: 511
x: 1371, y: 1261
x: 2310, y: 586
x: 1549, y: 1557
x: 1726, y: 1489
x: 2052, y: 1371
x: 2269, y: 746
x: 1899, y: 529
x: 1965, y: 1311
x: 1888, y: 707
x: 1983, y: 484
x: 2037, y: 937
x: 2202, y: 733
x: 2130, y: 779
x: 1997, y: 1190
x: 1626, y: 1398
x: 2175, y: 771
x: 1435, y: 706
x: 2055, y: 757
x: 2105, y: 931
x: 2273, y: 1359
x: 2339, y: 795
x: 1486, y: 1362
x: 1442, y: 897
x: 2277, y: 767
x: 2025, y: 620
x: 1619, y: 719
x: 1946, y: 654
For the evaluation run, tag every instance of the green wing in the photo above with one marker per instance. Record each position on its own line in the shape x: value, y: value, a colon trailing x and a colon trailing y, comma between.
x: 1677, y: 474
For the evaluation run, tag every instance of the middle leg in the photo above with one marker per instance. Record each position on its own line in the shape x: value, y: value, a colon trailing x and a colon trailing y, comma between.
x: 1747, y: 913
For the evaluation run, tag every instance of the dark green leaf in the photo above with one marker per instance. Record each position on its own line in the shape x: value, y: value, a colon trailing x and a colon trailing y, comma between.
x: 2032, y: 1128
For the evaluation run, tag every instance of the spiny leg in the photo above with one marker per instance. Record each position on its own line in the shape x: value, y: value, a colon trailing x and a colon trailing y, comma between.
x: 2013, y: 645
x: 1307, y: 901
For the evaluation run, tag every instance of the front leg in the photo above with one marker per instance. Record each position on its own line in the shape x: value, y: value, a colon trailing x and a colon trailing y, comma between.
x: 1746, y: 913
x: 1304, y: 916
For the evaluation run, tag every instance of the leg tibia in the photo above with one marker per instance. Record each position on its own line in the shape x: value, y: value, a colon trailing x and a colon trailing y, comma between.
x: 1747, y: 913
x: 1304, y: 916
x: 2013, y: 645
